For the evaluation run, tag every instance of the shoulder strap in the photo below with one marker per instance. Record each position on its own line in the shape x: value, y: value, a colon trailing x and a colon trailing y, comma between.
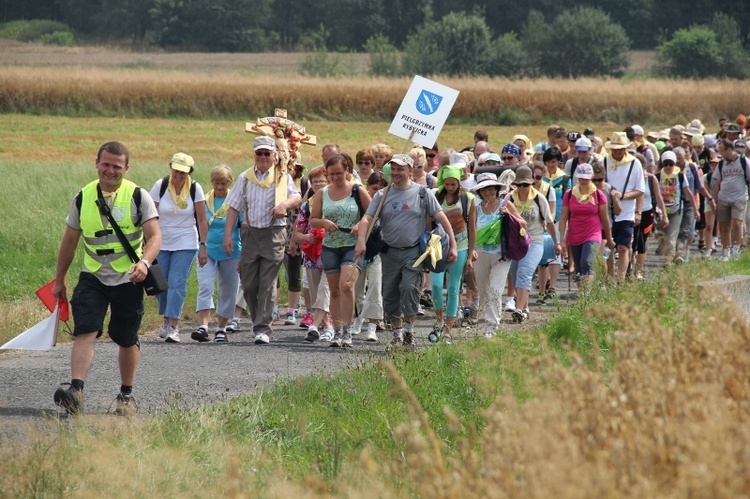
x: 136, y: 200
x: 355, y: 195
x: 573, y: 166
x: 465, y: 206
x: 539, y: 207
x: 743, y: 162
x: 163, y: 187
x: 104, y: 209
x: 192, y: 190
x: 627, y: 179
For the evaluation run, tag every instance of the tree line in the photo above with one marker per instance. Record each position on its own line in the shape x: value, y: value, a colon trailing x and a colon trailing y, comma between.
x: 504, y: 37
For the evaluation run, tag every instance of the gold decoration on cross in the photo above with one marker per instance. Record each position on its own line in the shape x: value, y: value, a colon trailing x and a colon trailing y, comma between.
x: 288, y: 135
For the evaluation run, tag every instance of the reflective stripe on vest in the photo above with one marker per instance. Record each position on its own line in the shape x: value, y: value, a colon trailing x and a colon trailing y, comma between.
x: 102, y: 245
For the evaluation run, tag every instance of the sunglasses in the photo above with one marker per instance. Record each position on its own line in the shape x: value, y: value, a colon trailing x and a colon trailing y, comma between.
x: 262, y: 153
x: 538, y: 177
x: 363, y: 162
x: 523, y: 185
x: 508, y: 158
x: 597, y: 180
x: 430, y: 155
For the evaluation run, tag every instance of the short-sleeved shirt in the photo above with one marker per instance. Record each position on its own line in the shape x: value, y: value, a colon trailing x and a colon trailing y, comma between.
x: 257, y: 201
x: 178, y: 228
x: 404, y: 213
x: 529, y: 211
x: 584, y: 224
x: 106, y: 274
x: 616, y: 176
x: 733, y: 188
x: 455, y: 214
x: 215, y: 240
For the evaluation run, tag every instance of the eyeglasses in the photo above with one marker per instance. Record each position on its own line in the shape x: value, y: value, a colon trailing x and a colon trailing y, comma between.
x: 363, y: 162
x: 597, y: 179
x: 538, y: 177
x: 262, y: 153
x: 508, y: 158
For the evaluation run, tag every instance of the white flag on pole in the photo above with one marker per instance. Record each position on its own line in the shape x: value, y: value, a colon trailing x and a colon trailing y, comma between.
x: 39, y: 337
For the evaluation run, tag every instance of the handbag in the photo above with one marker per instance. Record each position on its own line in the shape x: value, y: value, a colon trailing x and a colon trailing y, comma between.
x: 514, y: 239
x: 155, y: 281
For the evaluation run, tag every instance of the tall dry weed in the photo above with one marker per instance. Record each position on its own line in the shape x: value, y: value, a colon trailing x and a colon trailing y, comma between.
x: 133, y: 92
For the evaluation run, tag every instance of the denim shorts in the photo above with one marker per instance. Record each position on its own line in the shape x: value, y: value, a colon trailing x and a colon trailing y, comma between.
x: 334, y: 258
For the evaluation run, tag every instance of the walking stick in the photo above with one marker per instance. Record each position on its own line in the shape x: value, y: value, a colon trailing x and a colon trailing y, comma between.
x: 380, y: 205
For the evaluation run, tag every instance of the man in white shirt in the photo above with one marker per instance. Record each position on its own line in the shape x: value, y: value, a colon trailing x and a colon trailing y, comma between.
x: 264, y: 234
x: 625, y: 176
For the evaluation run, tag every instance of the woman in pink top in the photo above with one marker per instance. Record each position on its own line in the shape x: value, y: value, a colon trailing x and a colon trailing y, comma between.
x: 583, y: 220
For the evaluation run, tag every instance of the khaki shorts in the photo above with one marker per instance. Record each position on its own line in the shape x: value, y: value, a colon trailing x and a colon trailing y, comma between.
x: 730, y: 211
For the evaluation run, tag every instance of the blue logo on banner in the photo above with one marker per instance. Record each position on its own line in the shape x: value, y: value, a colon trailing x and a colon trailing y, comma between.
x: 428, y: 103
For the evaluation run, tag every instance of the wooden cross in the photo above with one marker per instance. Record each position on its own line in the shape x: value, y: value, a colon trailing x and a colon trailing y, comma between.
x: 288, y: 135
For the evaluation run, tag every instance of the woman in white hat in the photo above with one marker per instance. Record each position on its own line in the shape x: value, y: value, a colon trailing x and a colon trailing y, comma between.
x: 184, y: 229
x: 491, y: 273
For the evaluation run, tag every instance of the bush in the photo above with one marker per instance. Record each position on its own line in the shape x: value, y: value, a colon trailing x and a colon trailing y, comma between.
x: 508, y: 58
x: 692, y: 53
x: 384, y: 59
x: 458, y: 44
x: 583, y: 41
x: 35, y: 30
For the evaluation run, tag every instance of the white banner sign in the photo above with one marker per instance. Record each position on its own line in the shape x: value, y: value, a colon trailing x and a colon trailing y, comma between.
x: 424, y: 109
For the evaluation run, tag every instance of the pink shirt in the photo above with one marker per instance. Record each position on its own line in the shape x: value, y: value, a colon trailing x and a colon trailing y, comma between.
x: 584, y: 223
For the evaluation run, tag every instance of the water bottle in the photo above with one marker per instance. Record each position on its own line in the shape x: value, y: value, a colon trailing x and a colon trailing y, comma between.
x: 607, y: 252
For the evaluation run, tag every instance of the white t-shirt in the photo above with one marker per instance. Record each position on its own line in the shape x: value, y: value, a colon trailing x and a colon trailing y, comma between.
x: 616, y: 178
x: 178, y: 227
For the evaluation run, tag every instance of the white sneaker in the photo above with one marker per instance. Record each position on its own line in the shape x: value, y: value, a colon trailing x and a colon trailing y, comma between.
x: 233, y: 326
x: 262, y: 339
x: 356, y: 327
x: 489, y: 332
x: 327, y: 334
x: 372, y: 333
x: 164, y: 329
x: 510, y: 305
x: 174, y: 335
x: 312, y: 334
x: 735, y: 252
x: 420, y: 310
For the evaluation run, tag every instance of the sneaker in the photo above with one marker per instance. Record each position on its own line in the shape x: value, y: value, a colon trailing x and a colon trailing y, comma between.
x: 397, y: 340
x: 708, y: 254
x: 174, y: 335
x: 346, y: 338
x: 436, y: 333
x: 164, y: 329
x: 510, y: 304
x: 200, y: 334
x: 426, y: 300
x: 125, y: 404
x: 312, y: 334
x: 356, y: 327
x: 275, y: 317
x: 327, y: 334
x: 221, y: 337
x: 466, y: 311
x: 372, y: 333
x: 639, y: 276
x: 262, y: 339
x: 518, y: 316
x: 447, y: 339
x: 290, y: 319
x: 420, y: 310
x: 550, y: 294
x: 735, y: 252
x: 409, y: 341
x: 71, y: 400
x: 678, y: 260
x: 725, y: 255
x: 233, y: 326
x: 490, y: 332
x: 337, y: 341
x: 540, y: 299
x: 307, y: 320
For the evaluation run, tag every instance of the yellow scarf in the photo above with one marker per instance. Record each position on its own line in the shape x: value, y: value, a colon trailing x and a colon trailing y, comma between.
x: 524, y: 206
x: 584, y: 197
x: 180, y: 200
x: 670, y: 176
x: 109, y: 197
x: 626, y: 160
x: 265, y: 183
x: 221, y: 212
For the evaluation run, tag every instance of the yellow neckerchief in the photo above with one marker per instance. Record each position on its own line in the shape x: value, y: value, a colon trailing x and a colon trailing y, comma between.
x: 558, y: 173
x: 584, y: 197
x: 670, y: 176
x: 524, y: 206
x: 179, y: 200
x: 221, y: 212
x: 626, y: 160
x: 265, y: 183
x: 109, y: 197
x: 544, y: 188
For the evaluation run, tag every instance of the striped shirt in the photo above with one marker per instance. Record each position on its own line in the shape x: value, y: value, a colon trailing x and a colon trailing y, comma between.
x: 258, y: 201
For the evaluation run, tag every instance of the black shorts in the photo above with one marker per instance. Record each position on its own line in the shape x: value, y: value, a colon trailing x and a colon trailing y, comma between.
x: 90, y: 302
x: 622, y: 233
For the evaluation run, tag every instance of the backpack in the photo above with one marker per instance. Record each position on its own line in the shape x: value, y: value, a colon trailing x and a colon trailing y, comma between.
x: 515, y: 241
x: 375, y: 241
x: 163, y: 189
x: 743, y: 162
x: 424, y: 239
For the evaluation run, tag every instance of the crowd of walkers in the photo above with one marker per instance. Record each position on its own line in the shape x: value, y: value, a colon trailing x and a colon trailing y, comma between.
x: 350, y: 234
x: 578, y: 196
